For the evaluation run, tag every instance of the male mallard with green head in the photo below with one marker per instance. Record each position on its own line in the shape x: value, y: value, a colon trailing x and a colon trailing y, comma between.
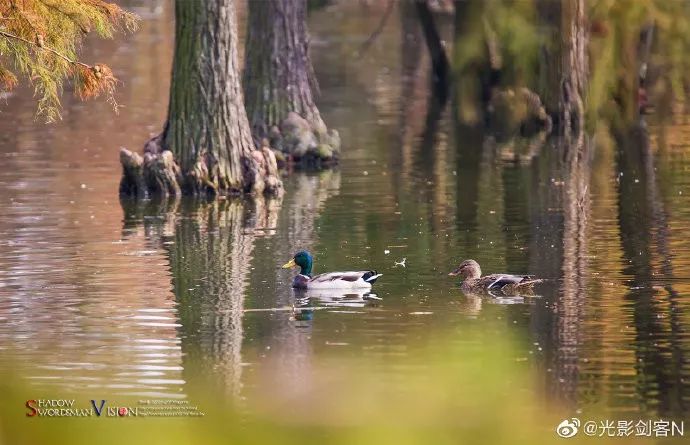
x: 332, y: 280
x: 474, y: 282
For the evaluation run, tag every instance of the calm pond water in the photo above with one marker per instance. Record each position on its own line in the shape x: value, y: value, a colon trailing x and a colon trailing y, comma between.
x: 121, y: 299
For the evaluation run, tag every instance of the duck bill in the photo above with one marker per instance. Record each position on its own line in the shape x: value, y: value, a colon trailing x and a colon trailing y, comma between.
x: 454, y: 273
x: 290, y: 264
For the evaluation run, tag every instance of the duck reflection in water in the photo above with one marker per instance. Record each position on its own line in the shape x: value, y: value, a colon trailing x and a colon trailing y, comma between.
x: 308, y: 301
x: 473, y: 302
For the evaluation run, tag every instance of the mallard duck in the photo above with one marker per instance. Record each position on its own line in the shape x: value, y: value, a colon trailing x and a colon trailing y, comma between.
x: 473, y: 281
x: 332, y: 280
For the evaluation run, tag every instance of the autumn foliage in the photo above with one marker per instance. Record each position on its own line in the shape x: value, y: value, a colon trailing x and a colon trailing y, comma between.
x: 40, y: 40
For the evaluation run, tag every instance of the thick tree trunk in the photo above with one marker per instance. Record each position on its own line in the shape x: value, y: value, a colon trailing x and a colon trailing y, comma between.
x: 207, y: 131
x: 279, y: 82
x: 565, y: 68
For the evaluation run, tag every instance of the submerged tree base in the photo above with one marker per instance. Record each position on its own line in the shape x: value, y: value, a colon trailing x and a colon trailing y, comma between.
x: 158, y: 174
x: 301, y: 143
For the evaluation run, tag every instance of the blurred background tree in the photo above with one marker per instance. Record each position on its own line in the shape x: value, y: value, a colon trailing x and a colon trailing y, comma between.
x: 39, y: 39
x: 612, y: 56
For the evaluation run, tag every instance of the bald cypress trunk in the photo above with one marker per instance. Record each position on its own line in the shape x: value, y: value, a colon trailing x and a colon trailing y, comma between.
x: 565, y: 69
x: 207, y: 131
x: 279, y: 82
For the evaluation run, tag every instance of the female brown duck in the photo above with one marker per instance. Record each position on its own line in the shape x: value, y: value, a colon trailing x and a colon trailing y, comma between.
x: 474, y: 282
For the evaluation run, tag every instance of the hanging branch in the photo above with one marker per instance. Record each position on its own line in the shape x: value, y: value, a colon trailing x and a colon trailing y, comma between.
x: 43, y: 47
x: 39, y: 39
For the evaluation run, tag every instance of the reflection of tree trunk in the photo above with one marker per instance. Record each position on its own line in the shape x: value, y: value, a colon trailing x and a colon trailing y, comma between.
x: 569, y: 308
x: 290, y: 342
x: 643, y: 224
x: 210, y: 256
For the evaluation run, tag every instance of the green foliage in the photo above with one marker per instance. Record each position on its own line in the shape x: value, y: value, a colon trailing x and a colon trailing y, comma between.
x: 39, y: 39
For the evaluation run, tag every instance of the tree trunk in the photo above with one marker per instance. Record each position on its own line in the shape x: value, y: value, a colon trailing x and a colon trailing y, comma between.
x: 565, y: 67
x: 575, y: 66
x: 279, y: 82
x: 440, y: 67
x: 207, y: 131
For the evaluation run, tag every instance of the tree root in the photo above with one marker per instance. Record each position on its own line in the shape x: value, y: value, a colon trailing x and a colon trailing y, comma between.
x: 156, y: 174
x: 300, y: 142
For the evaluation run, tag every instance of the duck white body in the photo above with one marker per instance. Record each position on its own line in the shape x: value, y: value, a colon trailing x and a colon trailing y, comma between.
x: 337, y: 280
x: 362, y: 279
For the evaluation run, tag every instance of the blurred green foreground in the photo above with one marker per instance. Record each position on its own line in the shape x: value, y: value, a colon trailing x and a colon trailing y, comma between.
x: 449, y: 394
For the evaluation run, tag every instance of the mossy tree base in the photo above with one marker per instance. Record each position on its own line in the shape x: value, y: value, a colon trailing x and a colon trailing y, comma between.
x: 157, y: 174
x: 298, y: 142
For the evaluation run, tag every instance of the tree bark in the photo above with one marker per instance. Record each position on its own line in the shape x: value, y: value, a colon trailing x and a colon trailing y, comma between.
x: 207, y: 131
x: 565, y: 67
x: 279, y: 82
